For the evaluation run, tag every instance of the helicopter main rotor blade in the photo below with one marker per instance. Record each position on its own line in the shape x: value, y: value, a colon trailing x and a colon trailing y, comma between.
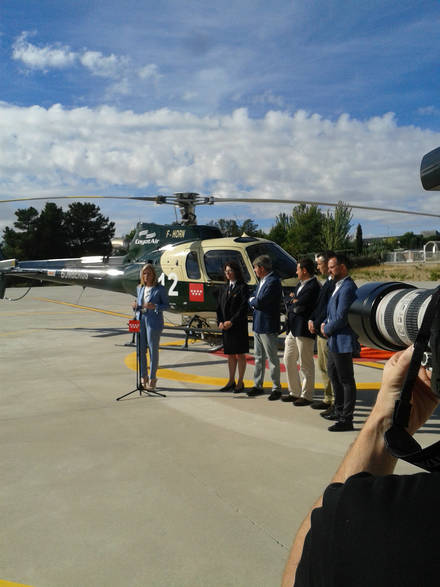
x: 198, y: 200
x: 147, y: 198
x: 218, y: 200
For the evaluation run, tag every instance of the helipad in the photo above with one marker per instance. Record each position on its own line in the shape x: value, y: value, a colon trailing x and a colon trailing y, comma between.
x: 198, y: 488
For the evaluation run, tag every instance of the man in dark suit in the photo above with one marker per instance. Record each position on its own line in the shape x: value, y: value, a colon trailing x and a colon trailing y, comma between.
x: 317, y: 317
x: 299, y: 344
x: 342, y: 343
x: 266, y: 326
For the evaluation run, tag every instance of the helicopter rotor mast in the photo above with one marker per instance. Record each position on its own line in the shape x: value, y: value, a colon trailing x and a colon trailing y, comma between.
x: 186, y: 202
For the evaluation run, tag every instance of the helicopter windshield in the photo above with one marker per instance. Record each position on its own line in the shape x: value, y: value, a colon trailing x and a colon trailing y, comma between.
x: 282, y: 262
x: 216, y: 259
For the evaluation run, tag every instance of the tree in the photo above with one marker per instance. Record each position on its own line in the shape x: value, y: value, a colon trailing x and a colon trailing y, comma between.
x: 304, y: 233
x: 358, y: 243
x: 336, y: 228
x: 88, y: 231
x: 82, y: 230
x: 230, y: 227
x: 278, y: 233
x: 409, y: 240
x: 51, y: 233
x: 21, y: 243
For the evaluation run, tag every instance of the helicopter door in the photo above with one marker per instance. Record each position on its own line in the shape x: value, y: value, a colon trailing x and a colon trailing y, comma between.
x: 215, y: 260
x: 192, y: 266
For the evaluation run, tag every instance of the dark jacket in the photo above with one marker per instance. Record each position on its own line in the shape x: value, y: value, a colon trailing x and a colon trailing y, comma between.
x: 298, y: 312
x: 319, y: 314
x: 341, y: 338
x: 233, y: 306
x: 267, y: 305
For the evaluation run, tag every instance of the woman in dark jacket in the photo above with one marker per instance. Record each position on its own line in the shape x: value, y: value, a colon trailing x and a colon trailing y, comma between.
x: 232, y: 313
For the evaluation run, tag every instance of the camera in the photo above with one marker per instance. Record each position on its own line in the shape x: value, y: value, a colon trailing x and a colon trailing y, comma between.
x: 389, y: 316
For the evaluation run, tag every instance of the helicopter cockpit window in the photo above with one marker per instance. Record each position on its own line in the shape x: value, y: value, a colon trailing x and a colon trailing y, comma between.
x: 215, y: 260
x: 282, y: 262
x: 192, y: 266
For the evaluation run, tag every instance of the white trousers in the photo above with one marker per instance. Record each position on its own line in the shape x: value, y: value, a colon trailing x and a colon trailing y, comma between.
x: 299, y: 349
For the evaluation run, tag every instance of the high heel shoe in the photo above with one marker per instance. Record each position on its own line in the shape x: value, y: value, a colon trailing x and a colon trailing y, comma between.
x: 239, y: 389
x: 152, y: 385
x: 144, y: 382
x: 228, y: 387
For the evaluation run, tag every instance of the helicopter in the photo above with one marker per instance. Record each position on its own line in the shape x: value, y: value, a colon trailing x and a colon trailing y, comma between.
x: 188, y: 258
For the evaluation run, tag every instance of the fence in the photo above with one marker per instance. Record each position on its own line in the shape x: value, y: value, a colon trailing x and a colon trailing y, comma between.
x: 415, y: 256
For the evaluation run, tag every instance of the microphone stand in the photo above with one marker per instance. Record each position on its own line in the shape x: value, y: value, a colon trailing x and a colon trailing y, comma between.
x: 148, y: 392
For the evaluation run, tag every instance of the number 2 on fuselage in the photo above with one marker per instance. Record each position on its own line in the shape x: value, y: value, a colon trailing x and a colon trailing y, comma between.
x: 172, y: 291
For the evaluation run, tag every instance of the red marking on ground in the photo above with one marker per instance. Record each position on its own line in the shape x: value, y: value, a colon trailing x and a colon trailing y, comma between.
x: 375, y: 354
x: 367, y: 354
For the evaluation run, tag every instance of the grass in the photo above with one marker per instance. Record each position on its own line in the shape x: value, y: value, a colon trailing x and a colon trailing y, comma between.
x: 401, y: 272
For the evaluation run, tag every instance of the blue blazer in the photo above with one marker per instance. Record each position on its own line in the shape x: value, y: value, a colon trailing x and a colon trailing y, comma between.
x: 341, y: 338
x: 266, y: 306
x: 153, y: 318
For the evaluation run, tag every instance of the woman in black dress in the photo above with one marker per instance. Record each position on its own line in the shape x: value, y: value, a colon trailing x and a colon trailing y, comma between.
x: 232, y: 313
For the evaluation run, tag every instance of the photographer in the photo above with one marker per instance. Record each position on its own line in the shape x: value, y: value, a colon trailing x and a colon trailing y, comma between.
x: 373, y: 528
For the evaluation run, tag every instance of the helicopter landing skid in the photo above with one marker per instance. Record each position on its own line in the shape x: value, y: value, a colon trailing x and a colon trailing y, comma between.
x: 200, y: 328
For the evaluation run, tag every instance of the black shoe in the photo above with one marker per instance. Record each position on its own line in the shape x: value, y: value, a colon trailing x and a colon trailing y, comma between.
x: 255, y: 391
x: 239, y: 389
x: 342, y: 426
x: 228, y: 387
x: 302, y: 401
x: 319, y: 405
x: 289, y: 398
x: 276, y: 394
x: 329, y: 414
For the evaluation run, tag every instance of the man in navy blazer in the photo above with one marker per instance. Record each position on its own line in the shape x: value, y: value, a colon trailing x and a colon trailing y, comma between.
x: 266, y: 326
x: 342, y: 342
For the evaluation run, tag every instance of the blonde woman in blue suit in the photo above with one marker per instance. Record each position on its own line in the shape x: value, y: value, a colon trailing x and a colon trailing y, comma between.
x: 152, y: 300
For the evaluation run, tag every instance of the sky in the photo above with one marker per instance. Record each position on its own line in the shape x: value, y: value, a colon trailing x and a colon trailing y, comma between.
x: 312, y: 100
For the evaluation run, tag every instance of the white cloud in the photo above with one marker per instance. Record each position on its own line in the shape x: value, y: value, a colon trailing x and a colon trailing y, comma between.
x: 373, y: 162
x: 150, y: 71
x: 428, y: 111
x: 43, y: 58
x: 110, y: 67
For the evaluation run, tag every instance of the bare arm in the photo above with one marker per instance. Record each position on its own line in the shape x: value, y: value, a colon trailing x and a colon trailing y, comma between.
x: 368, y: 452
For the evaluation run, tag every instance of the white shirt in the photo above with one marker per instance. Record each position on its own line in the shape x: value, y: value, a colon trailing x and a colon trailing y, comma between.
x: 259, y: 286
x: 303, y: 284
x: 147, y: 292
x: 338, y: 285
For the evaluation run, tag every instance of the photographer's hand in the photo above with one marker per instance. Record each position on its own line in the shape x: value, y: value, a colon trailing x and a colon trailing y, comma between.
x: 423, y: 400
x: 368, y: 453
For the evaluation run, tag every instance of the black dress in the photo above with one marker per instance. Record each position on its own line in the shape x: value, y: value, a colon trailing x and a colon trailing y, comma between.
x: 233, y: 305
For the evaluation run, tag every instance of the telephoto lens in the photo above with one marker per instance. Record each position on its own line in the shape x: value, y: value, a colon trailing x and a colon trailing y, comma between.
x: 388, y: 315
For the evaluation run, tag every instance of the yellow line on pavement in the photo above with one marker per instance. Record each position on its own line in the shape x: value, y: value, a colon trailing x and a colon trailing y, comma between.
x: 15, y: 332
x: 91, y: 309
x: 84, y: 307
x: 170, y: 374
x: 372, y: 364
x: 10, y: 584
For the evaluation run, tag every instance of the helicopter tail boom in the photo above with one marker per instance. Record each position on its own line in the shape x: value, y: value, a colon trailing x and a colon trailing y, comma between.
x: 82, y: 272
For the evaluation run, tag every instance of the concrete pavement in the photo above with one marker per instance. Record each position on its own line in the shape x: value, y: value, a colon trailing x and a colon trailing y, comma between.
x: 198, y: 488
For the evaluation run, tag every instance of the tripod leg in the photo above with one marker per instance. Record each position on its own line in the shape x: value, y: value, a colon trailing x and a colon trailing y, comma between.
x: 138, y: 376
